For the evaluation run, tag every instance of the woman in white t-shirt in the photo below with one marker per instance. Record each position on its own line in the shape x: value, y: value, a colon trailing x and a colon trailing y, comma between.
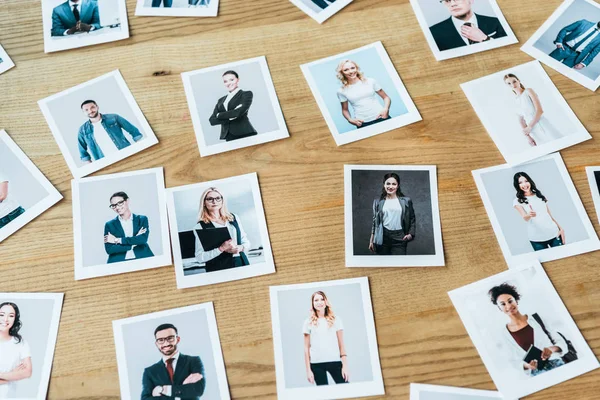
x: 542, y: 229
x: 362, y: 94
x: 324, y: 349
x: 15, y: 356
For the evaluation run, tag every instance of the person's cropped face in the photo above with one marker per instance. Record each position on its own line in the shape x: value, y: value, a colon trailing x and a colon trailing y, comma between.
x: 91, y: 110
x: 319, y: 302
x: 119, y: 205
x: 458, y: 8
x: 512, y: 83
x: 213, y: 201
x: 230, y: 82
x: 524, y: 184
x: 390, y: 185
x: 507, y: 304
x: 167, y: 341
x: 7, y: 317
x: 349, y: 70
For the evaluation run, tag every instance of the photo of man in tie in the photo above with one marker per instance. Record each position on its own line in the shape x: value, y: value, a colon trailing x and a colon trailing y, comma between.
x: 175, y: 376
x: 577, y: 44
x: 75, y: 16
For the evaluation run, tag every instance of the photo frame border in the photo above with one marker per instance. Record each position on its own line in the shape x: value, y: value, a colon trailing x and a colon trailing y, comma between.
x: 325, y: 14
x: 211, y: 11
x: 589, y: 171
x: 417, y: 388
x: 7, y: 63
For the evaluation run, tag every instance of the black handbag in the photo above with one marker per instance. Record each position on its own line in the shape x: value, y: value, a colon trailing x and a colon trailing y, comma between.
x: 571, y: 355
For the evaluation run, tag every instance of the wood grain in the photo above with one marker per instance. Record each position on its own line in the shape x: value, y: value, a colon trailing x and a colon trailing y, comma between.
x: 302, y: 186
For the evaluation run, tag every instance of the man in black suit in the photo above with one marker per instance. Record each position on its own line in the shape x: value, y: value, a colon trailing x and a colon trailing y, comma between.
x: 175, y: 376
x: 464, y: 27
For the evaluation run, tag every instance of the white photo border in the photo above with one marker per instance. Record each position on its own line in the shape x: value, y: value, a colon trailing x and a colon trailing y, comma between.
x: 7, y: 62
x: 594, y: 188
x: 325, y: 14
x: 417, y: 388
x: 211, y: 11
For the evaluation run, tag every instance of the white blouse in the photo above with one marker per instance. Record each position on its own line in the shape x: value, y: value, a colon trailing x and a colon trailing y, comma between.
x: 204, y: 256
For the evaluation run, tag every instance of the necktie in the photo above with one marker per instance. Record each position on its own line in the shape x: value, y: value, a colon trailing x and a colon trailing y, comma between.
x: 584, y: 39
x: 170, y: 368
x: 76, y: 12
x: 470, y: 24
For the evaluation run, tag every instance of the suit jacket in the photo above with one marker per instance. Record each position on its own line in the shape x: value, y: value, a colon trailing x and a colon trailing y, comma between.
x: 447, y: 37
x: 240, y: 126
x: 117, y: 252
x: 63, y: 18
x: 572, y: 32
x: 157, y: 375
x: 322, y: 3
x: 408, y: 218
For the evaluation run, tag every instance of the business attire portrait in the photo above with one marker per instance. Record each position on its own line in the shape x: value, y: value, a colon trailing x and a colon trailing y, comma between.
x: 133, y: 244
x: 577, y: 44
x: 447, y: 34
x: 231, y: 112
x: 323, y: 3
x: 10, y: 208
x: 67, y: 15
x: 173, y: 371
x: 166, y: 3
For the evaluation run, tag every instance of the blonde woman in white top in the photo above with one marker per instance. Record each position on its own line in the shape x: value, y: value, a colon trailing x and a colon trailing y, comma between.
x: 15, y: 356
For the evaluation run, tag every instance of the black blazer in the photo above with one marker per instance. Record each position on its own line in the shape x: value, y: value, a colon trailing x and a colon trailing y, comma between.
x: 240, y: 126
x: 157, y: 375
x: 118, y: 252
x: 447, y: 37
x: 322, y: 3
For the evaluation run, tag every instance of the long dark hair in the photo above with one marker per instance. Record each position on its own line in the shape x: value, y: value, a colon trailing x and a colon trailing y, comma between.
x: 534, y: 189
x: 385, y: 178
x: 14, y: 330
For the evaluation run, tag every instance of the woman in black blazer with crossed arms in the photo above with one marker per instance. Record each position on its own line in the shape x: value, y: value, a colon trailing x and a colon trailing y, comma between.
x: 231, y: 111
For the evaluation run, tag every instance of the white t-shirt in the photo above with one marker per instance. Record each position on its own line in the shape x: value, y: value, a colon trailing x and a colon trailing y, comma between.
x: 362, y: 97
x: 392, y: 214
x: 127, y: 225
x: 103, y: 140
x: 9, y: 203
x: 324, y: 345
x: 541, y: 227
x: 11, y: 355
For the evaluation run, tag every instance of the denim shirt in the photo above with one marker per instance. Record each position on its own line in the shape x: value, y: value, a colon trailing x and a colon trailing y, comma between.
x: 113, y: 125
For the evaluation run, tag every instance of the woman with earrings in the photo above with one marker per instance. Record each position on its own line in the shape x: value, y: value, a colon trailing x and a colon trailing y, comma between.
x: 535, y: 126
x: 324, y: 348
x: 212, y: 214
x: 394, y: 221
x: 542, y: 229
x: 15, y: 356
x: 362, y: 94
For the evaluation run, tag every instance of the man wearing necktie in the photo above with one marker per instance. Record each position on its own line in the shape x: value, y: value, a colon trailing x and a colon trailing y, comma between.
x: 577, y: 44
x: 75, y: 16
x: 176, y: 376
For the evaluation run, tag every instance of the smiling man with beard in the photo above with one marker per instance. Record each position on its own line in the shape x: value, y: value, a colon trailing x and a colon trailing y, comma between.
x: 176, y: 376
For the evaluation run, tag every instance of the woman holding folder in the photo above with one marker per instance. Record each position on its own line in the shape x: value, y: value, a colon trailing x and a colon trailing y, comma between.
x: 213, y: 214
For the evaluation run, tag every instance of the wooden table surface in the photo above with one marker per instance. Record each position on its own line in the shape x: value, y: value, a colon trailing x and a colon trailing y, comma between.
x: 301, y: 179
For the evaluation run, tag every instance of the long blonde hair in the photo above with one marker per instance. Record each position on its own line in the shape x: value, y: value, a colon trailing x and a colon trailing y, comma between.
x: 329, y: 314
x: 340, y: 75
x: 203, y: 214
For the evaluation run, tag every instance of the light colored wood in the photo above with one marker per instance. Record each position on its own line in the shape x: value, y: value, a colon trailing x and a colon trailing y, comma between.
x: 302, y: 186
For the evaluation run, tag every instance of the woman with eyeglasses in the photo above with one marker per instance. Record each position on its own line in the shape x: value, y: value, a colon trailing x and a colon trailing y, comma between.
x: 15, y: 356
x: 212, y: 214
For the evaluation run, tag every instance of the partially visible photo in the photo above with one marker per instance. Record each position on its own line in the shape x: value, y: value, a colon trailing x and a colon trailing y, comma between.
x: 5, y: 62
x: 320, y: 10
x: 593, y: 175
x: 177, y: 8
x: 420, y: 391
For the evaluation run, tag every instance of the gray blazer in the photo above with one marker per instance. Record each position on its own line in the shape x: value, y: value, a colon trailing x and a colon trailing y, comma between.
x: 408, y: 218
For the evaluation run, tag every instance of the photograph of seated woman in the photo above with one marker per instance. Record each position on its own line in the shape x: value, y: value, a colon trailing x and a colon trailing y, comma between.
x: 361, y: 93
x: 535, y: 126
x: 231, y: 111
x: 213, y: 213
x: 324, y: 349
x: 15, y: 356
x: 394, y: 220
x: 524, y: 331
x: 542, y: 229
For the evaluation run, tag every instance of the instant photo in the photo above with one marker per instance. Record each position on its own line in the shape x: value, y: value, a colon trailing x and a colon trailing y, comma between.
x: 593, y: 174
x: 177, y: 8
x: 419, y: 391
x: 320, y: 10
x: 5, y: 62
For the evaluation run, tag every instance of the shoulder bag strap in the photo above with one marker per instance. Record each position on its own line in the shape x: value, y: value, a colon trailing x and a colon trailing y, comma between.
x: 539, y: 321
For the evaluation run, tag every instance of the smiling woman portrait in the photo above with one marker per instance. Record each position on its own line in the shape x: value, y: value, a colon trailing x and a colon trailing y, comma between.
x: 15, y: 356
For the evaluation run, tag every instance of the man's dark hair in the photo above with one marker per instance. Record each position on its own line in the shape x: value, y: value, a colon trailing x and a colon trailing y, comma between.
x: 87, y: 102
x: 119, y: 194
x: 231, y: 72
x: 501, y: 289
x: 162, y: 327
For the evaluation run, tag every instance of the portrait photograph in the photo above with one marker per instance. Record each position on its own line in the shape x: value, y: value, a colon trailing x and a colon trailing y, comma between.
x: 25, y: 192
x: 320, y: 10
x: 177, y: 8
x: 455, y: 28
x: 420, y: 391
x: 97, y: 124
x: 233, y: 106
x: 392, y: 217
x: 360, y: 94
x: 535, y: 211
x: 69, y: 24
x: 593, y: 175
x: 522, y: 331
x: 28, y: 330
x: 524, y: 113
x: 324, y: 339
x: 5, y: 62
x: 171, y: 354
x: 219, y: 231
x: 120, y: 223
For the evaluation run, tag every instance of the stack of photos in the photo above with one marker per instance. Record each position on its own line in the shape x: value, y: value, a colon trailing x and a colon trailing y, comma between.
x: 28, y: 330
x: 233, y: 106
x: 321, y: 10
x: 593, y: 174
x: 69, y: 24
x: 120, y: 223
x: 523, y: 331
x: 325, y: 341
x: 419, y: 391
x: 360, y: 93
x: 524, y: 113
x: 172, y: 354
x: 392, y: 216
x: 455, y: 28
x: 97, y: 124
x: 219, y: 231
x: 569, y: 41
x: 25, y: 192
x: 177, y: 8
x: 5, y: 62
x: 535, y: 211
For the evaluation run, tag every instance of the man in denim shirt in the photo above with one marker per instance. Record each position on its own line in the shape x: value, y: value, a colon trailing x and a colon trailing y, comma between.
x: 103, y: 134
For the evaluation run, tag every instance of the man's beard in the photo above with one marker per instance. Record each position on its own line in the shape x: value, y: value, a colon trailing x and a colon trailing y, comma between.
x: 169, y: 351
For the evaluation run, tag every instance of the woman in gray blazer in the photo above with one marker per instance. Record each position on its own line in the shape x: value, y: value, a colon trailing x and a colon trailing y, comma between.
x: 393, y: 219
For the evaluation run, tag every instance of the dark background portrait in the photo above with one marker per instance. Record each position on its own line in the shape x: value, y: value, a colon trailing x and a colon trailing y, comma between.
x: 597, y: 176
x: 367, y: 185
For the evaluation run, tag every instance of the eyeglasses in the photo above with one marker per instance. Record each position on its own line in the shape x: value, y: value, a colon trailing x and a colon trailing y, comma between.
x: 214, y: 199
x: 120, y: 203
x: 169, y: 339
x: 447, y: 2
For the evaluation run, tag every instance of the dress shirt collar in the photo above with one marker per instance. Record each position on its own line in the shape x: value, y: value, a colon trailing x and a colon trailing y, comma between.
x: 126, y: 220
x: 458, y: 23
x: 71, y: 4
x: 231, y: 94
x: 174, y: 357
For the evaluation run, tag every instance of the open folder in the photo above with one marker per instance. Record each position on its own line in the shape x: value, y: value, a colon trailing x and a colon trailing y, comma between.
x: 213, y: 237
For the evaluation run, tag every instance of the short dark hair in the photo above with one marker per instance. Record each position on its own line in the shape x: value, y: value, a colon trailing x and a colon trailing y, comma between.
x: 163, y: 327
x: 87, y: 102
x: 231, y: 72
x: 119, y: 194
x: 501, y: 289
